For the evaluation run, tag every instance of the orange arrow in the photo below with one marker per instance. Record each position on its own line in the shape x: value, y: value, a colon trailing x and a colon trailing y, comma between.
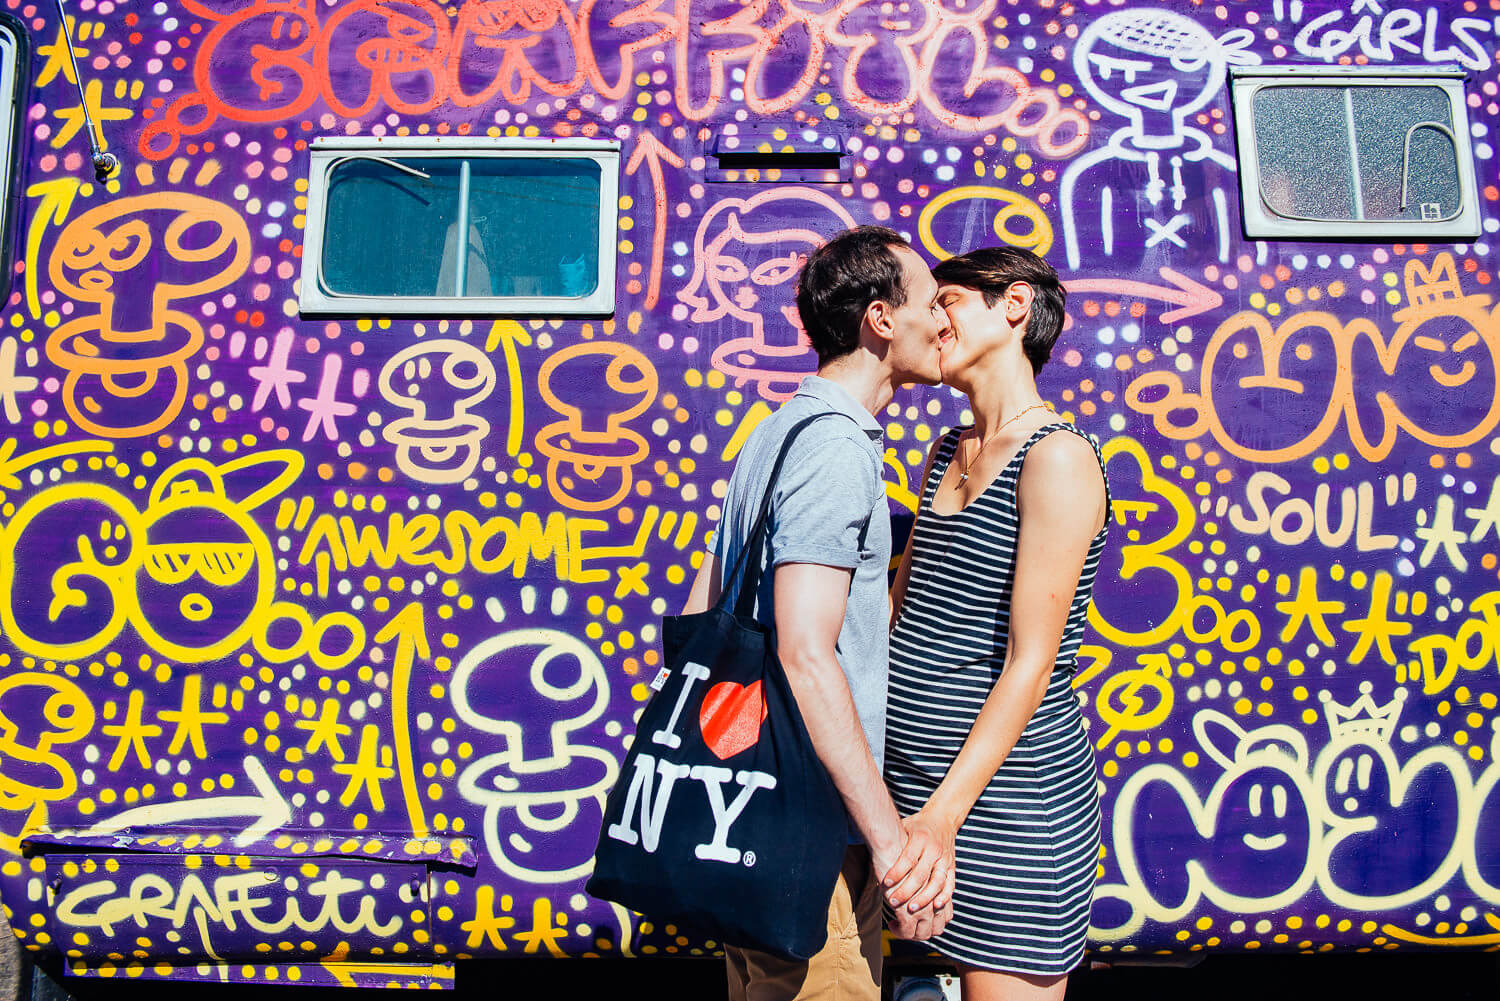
x: 650, y: 150
x: 1192, y: 297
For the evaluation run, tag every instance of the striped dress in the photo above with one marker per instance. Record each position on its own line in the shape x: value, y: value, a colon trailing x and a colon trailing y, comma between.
x: 1028, y: 851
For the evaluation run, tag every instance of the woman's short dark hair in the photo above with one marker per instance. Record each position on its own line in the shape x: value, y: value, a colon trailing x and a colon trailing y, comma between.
x: 841, y: 279
x: 992, y: 270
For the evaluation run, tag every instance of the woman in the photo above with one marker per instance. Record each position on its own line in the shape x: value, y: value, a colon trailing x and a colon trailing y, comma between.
x: 986, y: 753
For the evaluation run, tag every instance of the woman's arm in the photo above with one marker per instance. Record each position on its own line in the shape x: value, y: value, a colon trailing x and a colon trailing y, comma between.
x: 1062, y: 508
x: 898, y: 588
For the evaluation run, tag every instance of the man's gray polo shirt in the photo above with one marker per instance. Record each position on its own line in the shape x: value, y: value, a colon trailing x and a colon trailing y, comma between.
x: 829, y: 507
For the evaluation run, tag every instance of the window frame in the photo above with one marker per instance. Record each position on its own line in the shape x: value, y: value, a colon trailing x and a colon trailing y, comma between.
x: 325, y: 153
x: 1262, y: 222
x: 15, y: 83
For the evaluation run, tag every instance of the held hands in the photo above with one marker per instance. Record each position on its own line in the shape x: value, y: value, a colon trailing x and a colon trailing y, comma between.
x: 919, y: 886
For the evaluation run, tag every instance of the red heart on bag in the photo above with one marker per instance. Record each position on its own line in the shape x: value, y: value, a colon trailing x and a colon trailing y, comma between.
x: 731, y: 717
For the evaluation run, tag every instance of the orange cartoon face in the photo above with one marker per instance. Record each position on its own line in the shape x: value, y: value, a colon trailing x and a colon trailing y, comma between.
x: 1445, y: 343
x: 1450, y: 350
x: 598, y: 388
x: 137, y: 255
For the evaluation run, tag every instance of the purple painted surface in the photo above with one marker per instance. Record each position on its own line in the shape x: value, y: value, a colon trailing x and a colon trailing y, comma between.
x: 254, y: 624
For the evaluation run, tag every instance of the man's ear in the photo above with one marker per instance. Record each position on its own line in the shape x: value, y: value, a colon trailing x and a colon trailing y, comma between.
x: 880, y: 319
x: 1018, y: 298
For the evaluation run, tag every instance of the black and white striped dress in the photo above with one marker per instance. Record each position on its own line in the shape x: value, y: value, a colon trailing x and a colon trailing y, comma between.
x: 1028, y: 852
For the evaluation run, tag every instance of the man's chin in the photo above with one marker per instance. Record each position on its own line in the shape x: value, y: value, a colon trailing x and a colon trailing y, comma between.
x: 922, y: 379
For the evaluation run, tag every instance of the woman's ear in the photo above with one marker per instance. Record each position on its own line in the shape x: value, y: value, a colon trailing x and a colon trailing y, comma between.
x: 1018, y: 299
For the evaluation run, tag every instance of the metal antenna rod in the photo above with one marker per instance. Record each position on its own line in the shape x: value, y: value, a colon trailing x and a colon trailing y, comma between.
x: 105, y: 162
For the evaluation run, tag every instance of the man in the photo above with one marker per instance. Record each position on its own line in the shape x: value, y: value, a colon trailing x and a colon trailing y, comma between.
x: 869, y: 306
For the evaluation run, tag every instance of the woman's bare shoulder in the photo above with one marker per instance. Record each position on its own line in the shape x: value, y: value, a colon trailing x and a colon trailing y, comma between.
x: 1063, y: 460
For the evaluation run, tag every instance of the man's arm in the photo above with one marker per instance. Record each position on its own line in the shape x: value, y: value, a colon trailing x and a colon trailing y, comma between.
x: 810, y: 600
x: 706, y: 586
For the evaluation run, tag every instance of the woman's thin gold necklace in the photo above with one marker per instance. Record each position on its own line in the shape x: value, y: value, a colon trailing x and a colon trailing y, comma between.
x: 963, y: 476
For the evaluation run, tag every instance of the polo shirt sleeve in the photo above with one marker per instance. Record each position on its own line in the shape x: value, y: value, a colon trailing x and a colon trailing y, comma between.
x: 823, y: 503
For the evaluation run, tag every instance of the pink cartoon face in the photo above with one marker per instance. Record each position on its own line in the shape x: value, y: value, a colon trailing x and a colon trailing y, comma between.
x: 756, y: 282
x: 743, y: 290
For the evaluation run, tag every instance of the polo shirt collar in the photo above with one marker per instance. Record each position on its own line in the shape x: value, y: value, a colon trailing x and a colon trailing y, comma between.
x: 830, y: 393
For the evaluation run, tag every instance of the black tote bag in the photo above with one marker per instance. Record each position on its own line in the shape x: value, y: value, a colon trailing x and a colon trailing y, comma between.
x: 724, y: 819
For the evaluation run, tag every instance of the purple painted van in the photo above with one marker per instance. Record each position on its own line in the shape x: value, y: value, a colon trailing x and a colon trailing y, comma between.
x: 371, y: 372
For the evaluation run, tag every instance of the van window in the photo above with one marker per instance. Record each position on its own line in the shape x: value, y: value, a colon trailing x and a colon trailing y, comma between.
x: 501, y: 227
x: 1345, y: 154
x: 14, y: 59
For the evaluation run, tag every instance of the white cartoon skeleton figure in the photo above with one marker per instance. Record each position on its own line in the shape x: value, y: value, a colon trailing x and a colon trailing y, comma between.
x: 1148, y: 184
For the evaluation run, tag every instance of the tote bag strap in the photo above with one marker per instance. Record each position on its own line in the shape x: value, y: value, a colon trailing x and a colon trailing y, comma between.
x: 748, y: 574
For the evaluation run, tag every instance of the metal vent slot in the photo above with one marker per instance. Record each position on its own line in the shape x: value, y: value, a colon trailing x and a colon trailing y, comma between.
x: 794, y: 160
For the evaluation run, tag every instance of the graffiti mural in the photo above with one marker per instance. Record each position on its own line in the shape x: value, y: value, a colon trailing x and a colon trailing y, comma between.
x: 322, y: 639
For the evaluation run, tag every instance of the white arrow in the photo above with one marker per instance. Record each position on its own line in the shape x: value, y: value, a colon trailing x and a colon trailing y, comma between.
x: 269, y: 808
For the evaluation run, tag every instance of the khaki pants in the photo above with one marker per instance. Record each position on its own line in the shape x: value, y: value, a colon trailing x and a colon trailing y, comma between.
x: 847, y: 968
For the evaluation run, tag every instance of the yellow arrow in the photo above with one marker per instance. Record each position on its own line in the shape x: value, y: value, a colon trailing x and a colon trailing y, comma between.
x: 408, y: 628
x: 11, y: 464
x: 57, y: 201
x: 507, y: 334
x: 344, y: 972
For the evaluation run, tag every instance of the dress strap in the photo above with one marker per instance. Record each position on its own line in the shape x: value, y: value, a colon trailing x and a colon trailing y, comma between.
x: 947, y: 448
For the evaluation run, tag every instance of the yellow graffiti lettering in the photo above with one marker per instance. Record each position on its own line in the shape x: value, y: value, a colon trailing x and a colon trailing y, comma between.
x: 1440, y: 656
x: 190, y: 719
x: 1119, y: 705
x: 309, y: 637
x: 486, y: 924
x: 1144, y: 557
x: 155, y: 574
x: 491, y: 546
x: 1014, y: 208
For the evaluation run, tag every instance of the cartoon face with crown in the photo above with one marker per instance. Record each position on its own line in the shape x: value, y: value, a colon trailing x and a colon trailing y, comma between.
x: 1443, y: 356
x: 1394, y: 826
